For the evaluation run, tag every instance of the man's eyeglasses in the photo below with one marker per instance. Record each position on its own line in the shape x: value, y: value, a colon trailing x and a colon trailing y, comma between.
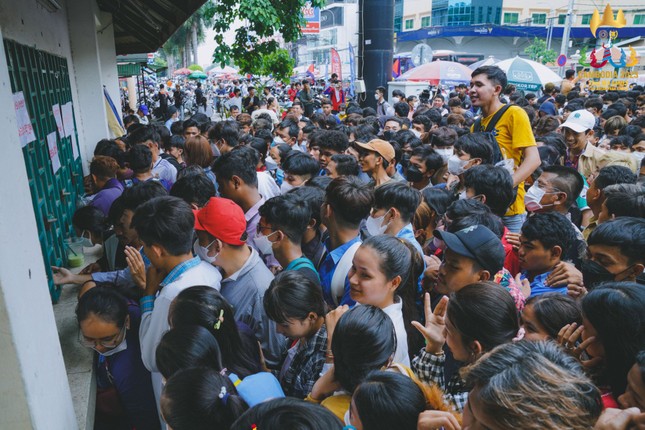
x: 260, y: 228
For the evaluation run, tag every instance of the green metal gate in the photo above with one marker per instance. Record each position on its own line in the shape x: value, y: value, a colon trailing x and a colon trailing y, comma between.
x: 44, y: 80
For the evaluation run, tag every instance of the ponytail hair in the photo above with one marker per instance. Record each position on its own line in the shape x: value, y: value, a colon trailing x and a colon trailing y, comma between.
x: 200, y: 399
x: 398, y: 257
x: 185, y: 347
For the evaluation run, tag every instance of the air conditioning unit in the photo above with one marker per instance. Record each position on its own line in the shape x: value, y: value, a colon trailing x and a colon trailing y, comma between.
x: 359, y: 86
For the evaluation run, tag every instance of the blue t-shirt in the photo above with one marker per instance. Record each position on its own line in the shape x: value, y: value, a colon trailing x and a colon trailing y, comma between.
x: 538, y: 286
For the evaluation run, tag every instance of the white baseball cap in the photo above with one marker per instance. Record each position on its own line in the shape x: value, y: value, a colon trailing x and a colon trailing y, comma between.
x: 580, y: 121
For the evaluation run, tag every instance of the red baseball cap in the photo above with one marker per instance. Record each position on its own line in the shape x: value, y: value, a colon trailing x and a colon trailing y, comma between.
x: 223, y: 219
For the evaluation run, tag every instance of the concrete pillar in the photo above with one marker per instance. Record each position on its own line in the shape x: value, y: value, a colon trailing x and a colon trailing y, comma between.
x: 34, y: 393
x: 107, y: 56
x: 132, y: 92
x: 88, y: 74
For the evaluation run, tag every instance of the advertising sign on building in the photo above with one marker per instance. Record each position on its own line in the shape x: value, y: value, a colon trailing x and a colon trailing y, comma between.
x: 311, y: 15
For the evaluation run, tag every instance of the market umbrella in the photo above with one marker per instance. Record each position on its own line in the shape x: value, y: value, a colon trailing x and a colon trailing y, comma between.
x: 227, y: 70
x: 438, y: 72
x: 528, y: 75
x: 197, y: 75
x: 490, y: 61
x: 183, y: 71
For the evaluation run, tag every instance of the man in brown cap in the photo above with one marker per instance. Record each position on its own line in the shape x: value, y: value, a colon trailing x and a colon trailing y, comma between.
x: 374, y: 158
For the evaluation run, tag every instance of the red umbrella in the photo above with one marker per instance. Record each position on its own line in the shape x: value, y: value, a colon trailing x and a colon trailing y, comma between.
x: 438, y: 72
x: 183, y: 71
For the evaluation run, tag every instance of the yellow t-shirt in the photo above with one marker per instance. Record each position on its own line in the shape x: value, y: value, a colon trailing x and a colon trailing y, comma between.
x: 513, y: 133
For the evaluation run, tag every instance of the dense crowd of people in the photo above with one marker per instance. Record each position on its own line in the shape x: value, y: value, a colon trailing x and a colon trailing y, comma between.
x: 470, y: 260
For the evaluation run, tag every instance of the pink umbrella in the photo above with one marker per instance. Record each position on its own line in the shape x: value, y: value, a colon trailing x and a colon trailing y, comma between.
x: 438, y: 72
x: 183, y: 71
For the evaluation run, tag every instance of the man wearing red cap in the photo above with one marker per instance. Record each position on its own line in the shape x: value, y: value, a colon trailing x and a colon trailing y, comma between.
x: 221, y: 232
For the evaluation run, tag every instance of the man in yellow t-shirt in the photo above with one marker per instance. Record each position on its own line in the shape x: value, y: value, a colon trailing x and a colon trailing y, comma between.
x: 513, y: 133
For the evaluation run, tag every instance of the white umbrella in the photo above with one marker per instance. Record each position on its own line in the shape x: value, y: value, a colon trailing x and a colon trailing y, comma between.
x: 490, y: 61
x: 528, y: 75
x: 227, y: 70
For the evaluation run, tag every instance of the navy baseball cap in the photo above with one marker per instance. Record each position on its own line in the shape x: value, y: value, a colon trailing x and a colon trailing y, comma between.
x: 478, y: 243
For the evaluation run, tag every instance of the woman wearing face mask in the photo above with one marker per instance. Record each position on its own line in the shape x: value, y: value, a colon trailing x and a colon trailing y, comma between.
x: 470, y: 150
x: 298, y: 168
x: 92, y: 226
x: 611, y: 334
x: 473, y: 321
x: 109, y: 324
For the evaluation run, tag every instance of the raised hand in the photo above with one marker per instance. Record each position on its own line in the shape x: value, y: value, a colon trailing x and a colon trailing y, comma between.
x: 137, y: 266
x: 435, y: 325
x: 63, y: 276
x: 435, y: 420
x: 569, y: 335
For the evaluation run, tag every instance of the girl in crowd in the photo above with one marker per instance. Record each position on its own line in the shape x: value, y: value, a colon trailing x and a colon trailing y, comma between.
x: 470, y: 150
x: 529, y: 385
x: 288, y: 413
x: 473, y: 321
x: 185, y: 347
x: 543, y: 316
x: 205, y: 307
x: 384, y: 274
x: 198, y: 152
x: 200, y: 399
x: 297, y: 306
x: 611, y: 334
x: 109, y: 324
x: 385, y: 401
x: 428, y: 214
x: 362, y: 341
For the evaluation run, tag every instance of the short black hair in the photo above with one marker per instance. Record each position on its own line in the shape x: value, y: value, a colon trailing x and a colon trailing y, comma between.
x: 194, y: 189
x: 140, y: 193
x: 477, y: 146
x: 569, y: 73
x: 300, y: 163
x: 486, y: 219
x: 346, y: 165
x: 314, y: 197
x: 612, y: 175
x: 143, y: 135
x: 332, y: 139
x: 190, y: 123
x: 429, y: 157
x: 226, y: 130
x: 106, y: 303
x: 402, y: 109
x: 625, y: 200
x: 166, y: 221
x: 140, y: 158
x: 626, y: 233
x: 350, y: 198
x: 287, y: 213
x: 493, y: 73
x: 292, y: 126
x: 495, y: 183
x: 567, y: 180
x: 595, y: 103
x: 551, y: 229
x: 381, y: 89
x: 236, y: 163
x: 626, y: 141
x: 293, y: 295
x: 423, y: 120
x: 400, y: 196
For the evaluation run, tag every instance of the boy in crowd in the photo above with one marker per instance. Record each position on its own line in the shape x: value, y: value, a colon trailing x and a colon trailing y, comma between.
x: 582, y: 155
x: 161, y: 168
x: 342, y: 165
x: 224, y: 135
x: 283, y: 221
x: 298, y: 168
x: 374, y: 157
x: 330, y: 142
x: 165, y: 226
x: 315, y: 235
x: 425, y: 167
x: 546, y: 239
x: 103, y: 171
x: 221, y: 232
x: 195, y: 190
x: 622, y: 200
x: 140, y: 158
x: 347, y: 202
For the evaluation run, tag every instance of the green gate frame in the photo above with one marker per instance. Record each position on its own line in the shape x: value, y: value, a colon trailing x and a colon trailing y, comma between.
x: 44, y: 80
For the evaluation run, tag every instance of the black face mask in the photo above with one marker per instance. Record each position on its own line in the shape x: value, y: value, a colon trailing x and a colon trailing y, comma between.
x: 413, y: 174
x: 389, y: 135
x: 594, y: 274
x: 405, y: 161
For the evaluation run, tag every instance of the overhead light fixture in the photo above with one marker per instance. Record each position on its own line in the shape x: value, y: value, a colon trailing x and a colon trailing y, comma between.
x: 50, y: 5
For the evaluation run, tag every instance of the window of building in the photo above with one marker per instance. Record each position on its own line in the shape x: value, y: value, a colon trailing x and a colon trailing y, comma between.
x: 639, y: 19
x: 562, y: 19
x: 425, y: 21
x: 511, y: 17
x: 409, y: 24
x: 397, y: 24
x: 586, y: 18
x: 539, y: 18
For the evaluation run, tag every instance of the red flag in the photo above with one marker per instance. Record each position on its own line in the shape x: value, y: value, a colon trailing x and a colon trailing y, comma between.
x: 336, y: 65
x: 396, y: 68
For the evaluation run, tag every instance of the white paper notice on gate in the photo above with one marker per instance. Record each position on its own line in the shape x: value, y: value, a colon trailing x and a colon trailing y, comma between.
x: 53, y: 151
x: 59, y: 119
x: 68, y: 118
x: 25, y: 129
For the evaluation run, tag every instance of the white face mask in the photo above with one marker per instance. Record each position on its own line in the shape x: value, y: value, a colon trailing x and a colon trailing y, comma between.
x: 395, y: 100
x: 120, y: 347
x: 376, y: 96
x: 533, y: 197
x: 270, y: 163
x: 416, y: 133
x: 638, y: 156
x: 202, y: 252
x: 87, y: 242
x: 445, y: 153
x: 264, y: 245
x: 462, y: 195
x: 347, y: 419
x: 278, y: 140
x: 374, y: 225
x: 456, y: 166
x: 286, y: 187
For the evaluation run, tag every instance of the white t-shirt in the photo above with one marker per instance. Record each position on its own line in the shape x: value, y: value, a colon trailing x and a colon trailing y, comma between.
x: 395, y: 312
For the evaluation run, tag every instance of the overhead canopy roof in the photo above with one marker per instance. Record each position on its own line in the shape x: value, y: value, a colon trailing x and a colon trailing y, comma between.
x: 145, y: 25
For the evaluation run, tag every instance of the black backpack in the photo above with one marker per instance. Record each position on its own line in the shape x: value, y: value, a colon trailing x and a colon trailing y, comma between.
x: 490, y: 135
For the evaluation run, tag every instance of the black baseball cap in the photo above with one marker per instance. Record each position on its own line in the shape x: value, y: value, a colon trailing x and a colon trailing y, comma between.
x: 478, y: 243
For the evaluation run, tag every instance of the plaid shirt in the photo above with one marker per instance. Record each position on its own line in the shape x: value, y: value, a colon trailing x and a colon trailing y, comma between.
x: 429, y: 369
x: 304, y: 370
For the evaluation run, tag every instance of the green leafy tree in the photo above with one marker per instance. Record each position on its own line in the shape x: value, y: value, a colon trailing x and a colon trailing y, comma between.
x: 196, y: 67
x: 255, y: 49
x: 537, y: 51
